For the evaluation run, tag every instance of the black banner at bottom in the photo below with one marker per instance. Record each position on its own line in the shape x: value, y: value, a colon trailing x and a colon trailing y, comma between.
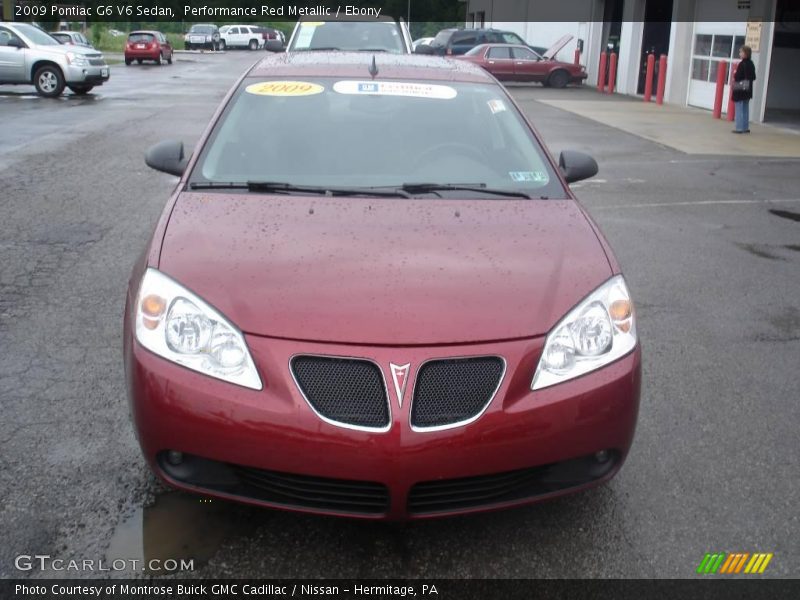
x: 373, y: 589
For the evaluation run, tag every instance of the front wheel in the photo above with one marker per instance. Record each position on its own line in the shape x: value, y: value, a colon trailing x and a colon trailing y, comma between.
x: 187, y: 46
x: 49, y: 81
x: 169, y: 60
x: 223, y: 45
x: 253, y: 45
x: 138, y: 61
x: 81, y: 90
x: 558, y: 79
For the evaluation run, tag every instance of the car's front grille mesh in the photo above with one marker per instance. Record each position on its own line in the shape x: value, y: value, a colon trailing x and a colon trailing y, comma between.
x: 320, y: 493
x: 454, y: 390
x: 348, y: 391
x: 97, y: 62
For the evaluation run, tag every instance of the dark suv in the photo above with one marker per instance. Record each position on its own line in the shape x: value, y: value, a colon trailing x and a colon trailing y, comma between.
x: 461, y: 41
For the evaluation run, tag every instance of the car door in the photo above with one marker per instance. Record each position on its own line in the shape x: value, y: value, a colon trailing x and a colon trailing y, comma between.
x: 231, y: 36
x: 462, y: 42
x: 499, y: 62
x: 528, y: 66
x: 12, y: 59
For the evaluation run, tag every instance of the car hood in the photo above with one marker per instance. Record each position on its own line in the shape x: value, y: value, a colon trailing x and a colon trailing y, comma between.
x: 384, y: 271
x: 62, y: 49
x: 556, y: 48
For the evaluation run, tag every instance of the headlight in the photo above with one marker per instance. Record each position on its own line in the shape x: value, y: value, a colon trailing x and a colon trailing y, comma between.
x: 600, y: 330
x: 79, y: 60
x: 175, y: 324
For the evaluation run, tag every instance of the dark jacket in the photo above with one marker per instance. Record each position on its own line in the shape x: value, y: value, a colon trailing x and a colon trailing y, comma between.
x: 745, y: 71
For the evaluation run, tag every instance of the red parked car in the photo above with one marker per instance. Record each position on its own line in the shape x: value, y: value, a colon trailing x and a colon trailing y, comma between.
x: 148, y: 45
x: 514, y: 62
x: 423, y: 322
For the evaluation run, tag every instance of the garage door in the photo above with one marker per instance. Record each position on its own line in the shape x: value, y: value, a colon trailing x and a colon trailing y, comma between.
x: 713, y: 43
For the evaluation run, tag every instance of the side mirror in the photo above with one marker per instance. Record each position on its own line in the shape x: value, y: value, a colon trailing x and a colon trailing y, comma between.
x: 15, y: 42
x: 576, y: 166
x: 167, y: 157
x: 423, y: 49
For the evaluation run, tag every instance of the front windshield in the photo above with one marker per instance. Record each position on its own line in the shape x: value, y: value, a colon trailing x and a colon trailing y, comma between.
x: 36, y: 35
x: 380, y: 36
x: 348, y: 133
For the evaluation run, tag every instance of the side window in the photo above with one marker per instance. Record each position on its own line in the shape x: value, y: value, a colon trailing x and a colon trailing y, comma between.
x: 233, y: 31
x: 5, y: 36
x: 497, y: 53
x: 512, y: 38
x: 524, y: 54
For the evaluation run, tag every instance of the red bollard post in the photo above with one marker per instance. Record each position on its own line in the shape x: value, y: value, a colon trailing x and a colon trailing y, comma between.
x: 648, y: 83
x: 601, y: 73
x: 612, y: 73
x: 722, y: 72
x: 577, y: 56
x: 662, y: 79
x: 731, y: 105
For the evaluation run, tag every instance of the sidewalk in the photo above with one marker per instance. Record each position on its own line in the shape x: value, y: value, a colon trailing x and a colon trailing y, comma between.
x: 687, y: 129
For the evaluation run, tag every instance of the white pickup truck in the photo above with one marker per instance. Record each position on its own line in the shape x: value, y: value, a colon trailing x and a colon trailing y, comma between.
x: 31, y: 56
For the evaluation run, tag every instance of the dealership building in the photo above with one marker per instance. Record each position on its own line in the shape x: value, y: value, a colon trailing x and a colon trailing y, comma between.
x: 697, y: 35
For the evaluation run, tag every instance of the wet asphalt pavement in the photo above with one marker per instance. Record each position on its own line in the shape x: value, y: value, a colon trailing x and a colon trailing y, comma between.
x: 711, y: 251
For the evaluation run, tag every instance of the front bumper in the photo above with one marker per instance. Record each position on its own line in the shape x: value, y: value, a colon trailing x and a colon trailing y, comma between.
x: 93, y: 74
x: 275, y: 430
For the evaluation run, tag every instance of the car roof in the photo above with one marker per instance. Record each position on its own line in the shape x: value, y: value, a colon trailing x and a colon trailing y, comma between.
x: 356, y: 65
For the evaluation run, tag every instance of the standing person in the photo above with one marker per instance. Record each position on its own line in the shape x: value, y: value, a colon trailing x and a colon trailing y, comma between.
x: 743, y: 80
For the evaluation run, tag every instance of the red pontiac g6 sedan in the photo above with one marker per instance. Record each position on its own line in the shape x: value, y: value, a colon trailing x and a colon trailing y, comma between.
x: 400, y: 311
x: 514, y: 62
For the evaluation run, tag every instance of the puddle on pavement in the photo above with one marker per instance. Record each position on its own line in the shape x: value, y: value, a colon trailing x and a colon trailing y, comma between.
x: 177, y: 526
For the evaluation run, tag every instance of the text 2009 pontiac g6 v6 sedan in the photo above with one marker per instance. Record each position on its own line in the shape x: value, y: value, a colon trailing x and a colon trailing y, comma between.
x: 400, y: 311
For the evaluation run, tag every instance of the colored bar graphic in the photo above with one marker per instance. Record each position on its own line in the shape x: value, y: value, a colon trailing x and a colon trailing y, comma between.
x: 734, y: 562
x: 726, y: 567
x: 703, y: 563
x: 766, y: 562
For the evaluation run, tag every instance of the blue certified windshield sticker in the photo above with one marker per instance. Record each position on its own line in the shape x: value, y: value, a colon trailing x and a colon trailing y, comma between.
x: 529, y: 176
x: 395, y: 88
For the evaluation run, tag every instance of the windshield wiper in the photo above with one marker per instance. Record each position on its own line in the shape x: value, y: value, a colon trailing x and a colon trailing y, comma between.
x: 320, y: 49
x: 279, y: 187
x: 481, y: 188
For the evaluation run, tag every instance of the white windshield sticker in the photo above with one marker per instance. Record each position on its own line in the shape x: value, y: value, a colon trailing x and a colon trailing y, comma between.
x: 395, y: 88
x: 306, y: 33
x: 535, y: 176
x: 496, y: 106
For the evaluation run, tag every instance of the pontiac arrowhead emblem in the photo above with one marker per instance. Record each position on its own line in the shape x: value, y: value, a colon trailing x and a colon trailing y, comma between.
x: 400, y: 376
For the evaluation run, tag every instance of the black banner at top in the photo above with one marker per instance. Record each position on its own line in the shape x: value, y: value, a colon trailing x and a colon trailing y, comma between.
x: 475, y: 12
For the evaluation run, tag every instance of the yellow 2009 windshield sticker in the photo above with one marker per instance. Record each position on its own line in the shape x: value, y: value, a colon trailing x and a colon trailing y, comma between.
x: 284, y: 88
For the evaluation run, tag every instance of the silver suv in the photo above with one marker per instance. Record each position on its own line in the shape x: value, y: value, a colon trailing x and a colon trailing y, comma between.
x: 29, y: 55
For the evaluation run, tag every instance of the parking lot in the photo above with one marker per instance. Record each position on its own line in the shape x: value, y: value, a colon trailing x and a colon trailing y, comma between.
x: 710, y: 247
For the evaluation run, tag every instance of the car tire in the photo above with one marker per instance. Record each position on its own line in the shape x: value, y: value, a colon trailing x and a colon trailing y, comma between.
x: 128, y: 61
x: 187, y: 46
x: 253, y: 45
x: 160, y: 60
x: 558, y: 79
x: 81, y: 90
x: 138, y: 61
x: 49, y: 81
x: 169, y: 60
x: 223, y: 45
